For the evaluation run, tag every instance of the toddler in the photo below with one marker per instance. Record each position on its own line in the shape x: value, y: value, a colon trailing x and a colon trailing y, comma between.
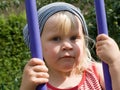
x: 67, y: 63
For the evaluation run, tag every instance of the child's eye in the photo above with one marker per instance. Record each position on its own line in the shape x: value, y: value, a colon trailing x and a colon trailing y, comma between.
x: 56, y: 38
x: 73, y: 38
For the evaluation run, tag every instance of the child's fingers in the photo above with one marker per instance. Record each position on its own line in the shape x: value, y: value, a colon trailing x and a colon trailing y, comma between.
x: 101, y: 37
x: 40, y: 68
x: 100, y: 43
x: 38, y: 81
x: 35, y: 66
x: 42, y: 75
x: 35, y: 72
x: 35, y: 61
x: 102, y: 40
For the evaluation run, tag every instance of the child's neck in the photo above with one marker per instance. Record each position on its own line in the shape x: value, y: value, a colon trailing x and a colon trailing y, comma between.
x: 64, y: 80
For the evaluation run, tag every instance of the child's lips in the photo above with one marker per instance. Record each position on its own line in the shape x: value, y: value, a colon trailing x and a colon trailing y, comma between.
x: 68, y: 57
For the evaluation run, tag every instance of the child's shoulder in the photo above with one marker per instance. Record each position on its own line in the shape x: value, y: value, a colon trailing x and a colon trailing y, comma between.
x: 99, y: 71
x: 97, y: 68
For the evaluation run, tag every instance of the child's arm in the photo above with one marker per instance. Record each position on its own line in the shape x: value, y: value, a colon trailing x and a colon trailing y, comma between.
x: 115, y: 74
x: 35, y: 73
x: 108, y: 51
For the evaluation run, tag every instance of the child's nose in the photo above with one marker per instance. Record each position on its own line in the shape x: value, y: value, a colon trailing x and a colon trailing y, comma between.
x: 67, y: 45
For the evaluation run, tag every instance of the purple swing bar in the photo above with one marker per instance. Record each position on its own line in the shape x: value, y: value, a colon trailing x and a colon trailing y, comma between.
x: 102, y: 28
x: 35, y: 44
x: 33, y: 28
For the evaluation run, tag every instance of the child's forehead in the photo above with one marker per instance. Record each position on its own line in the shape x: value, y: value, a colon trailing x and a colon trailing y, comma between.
x: 63, y: 22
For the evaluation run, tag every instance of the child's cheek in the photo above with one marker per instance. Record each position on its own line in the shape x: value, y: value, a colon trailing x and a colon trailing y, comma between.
x: 80, y: 50
x: 50, y: 52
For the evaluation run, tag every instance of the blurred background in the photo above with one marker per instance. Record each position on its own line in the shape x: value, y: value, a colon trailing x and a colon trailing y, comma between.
x: 14, y: 54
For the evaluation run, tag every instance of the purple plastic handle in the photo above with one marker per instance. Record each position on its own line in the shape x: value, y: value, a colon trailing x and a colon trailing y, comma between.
x: 33, y: 28
x: 102, y: 28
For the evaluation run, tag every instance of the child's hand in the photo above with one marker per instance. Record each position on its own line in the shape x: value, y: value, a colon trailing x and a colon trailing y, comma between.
x: 107, y: 49
x: 35, y: 73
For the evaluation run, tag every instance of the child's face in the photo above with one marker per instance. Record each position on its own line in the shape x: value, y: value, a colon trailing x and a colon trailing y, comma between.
x: 62, y: 52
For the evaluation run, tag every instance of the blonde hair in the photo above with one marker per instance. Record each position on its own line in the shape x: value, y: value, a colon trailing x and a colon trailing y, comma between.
x: 67, y: 21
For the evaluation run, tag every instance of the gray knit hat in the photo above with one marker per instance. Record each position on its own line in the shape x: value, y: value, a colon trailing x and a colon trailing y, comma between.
x: 46, y: 11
